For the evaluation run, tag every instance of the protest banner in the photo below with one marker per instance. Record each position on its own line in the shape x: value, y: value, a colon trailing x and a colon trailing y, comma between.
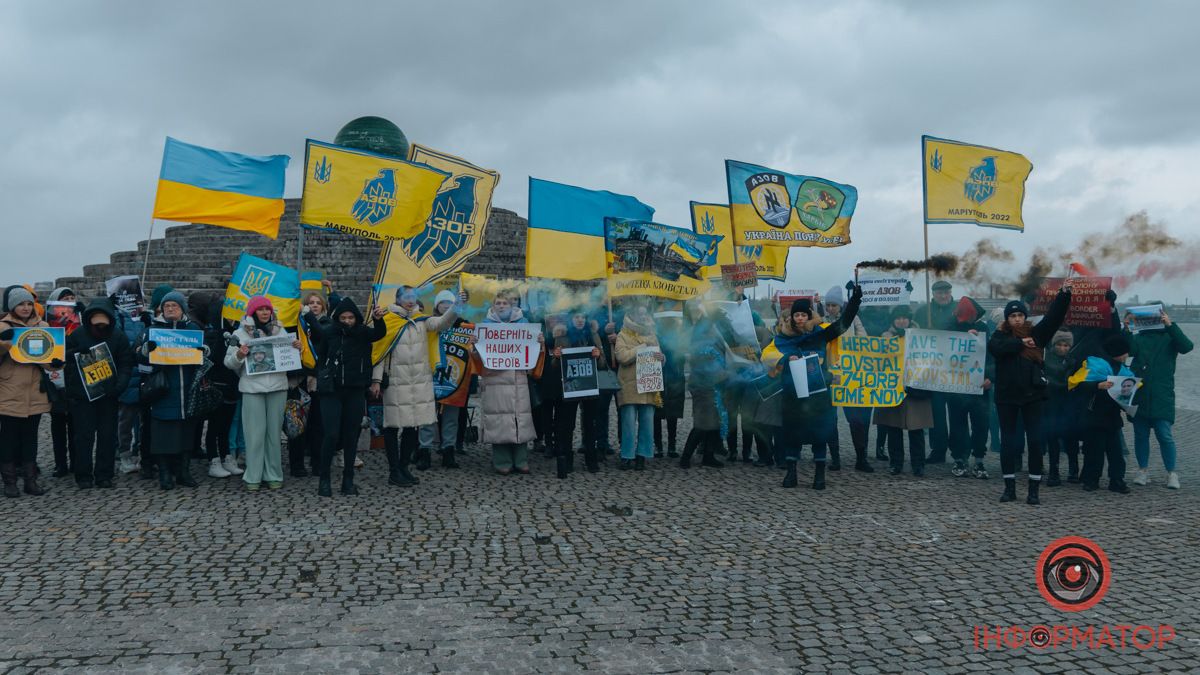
x: 649, y: 370
x: 645, y: 258
x: 884, y: 290
x: 807, y: 377
x: 96, y: 368
x: 273, y: 354
x: 38, y: 344
x: 740, y: 275
x: 1124, y: 388
x: 1145, y: 317
x: 452, y: 365
x: 508, y: 346
x: 126, y: 292
x: 1089, y: 308
x: 945, y: 361
x: 579, y: 373
x: 868, y: 373
x: 735, y: 324
x: 62, y: 315
x: 176, y: 347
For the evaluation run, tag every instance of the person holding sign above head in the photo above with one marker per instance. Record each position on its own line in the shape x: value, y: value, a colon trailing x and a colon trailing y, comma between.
x: 343, y: 351
x: 810, y: 420
x: 506, y: 411
x: 171, y: 430
x: 576, y: 333
x: 23, y: 398
x: 914, y: 414
x: 408, y: 401
x: 100, y: 362
x: 1019, y: 350
x: 1154, y: 353
x: 858, y: 419
x: 264, y: 396
x: 635, y: 407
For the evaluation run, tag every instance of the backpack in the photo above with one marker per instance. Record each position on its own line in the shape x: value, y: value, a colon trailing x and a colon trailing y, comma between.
x: 295, y: 413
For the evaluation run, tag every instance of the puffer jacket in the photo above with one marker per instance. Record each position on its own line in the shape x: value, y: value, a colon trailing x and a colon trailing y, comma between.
x: 173, y: 406
x: 1154, y: 353
x: 1020, y: 380
x: 81, y: 341
x: 408, y: 400
x: 505, y: 409
x: 632, y: 337
x: 254, y: 384
x: 22, y: 385
x: 344, y: 354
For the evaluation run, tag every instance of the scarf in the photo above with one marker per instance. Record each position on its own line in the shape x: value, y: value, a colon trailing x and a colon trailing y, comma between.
x: 1021, y: 332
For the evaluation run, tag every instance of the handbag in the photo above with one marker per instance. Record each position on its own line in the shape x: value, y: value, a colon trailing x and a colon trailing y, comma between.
x: 606, y: 380
x: 295, y: 413
x: 205, y: 397
x: 153, y: 387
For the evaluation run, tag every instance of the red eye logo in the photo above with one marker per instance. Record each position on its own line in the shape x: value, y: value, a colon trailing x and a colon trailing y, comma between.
x: 1073, y: 574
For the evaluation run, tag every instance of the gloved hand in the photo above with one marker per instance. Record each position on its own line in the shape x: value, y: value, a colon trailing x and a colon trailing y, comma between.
x: 7, y: 334
x: 151, y: 345
x: 856, y: 294
x: 57, y: 363
x: 849, y: 285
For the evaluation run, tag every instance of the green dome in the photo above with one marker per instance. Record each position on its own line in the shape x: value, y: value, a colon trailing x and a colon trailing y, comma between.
x: 375, y: 134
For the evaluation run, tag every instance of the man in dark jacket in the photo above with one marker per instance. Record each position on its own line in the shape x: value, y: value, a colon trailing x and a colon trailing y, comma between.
x: 939, y: 315
x: 1154, y: 353
x: 100, y: 361
x: 343, y: 351
x: 968, y: 413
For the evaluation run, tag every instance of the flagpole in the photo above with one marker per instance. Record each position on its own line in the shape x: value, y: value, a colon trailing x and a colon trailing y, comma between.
x: 146, y: 260
x: 928, y: 291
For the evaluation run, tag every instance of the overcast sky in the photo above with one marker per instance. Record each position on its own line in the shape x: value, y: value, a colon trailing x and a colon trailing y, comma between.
x: 640, y: 97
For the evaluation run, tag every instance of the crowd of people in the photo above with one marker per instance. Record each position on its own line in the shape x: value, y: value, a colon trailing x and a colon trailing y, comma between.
x: 1045, y: 393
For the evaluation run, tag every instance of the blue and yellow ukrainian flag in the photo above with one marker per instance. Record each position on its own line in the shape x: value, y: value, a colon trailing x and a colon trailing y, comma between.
x: 241, y: 192
x: 257, y: 276
x: 771, y: 261
x: 967, y: 183
x: 566, y: 229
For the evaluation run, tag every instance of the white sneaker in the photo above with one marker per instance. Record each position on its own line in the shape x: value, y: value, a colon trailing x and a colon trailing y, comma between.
x: 1173, y: 481
x: 216, y: 470
x: 1142, y: 477
x: 358, y: 462
x: 231, y: 466
x: 128, y: 464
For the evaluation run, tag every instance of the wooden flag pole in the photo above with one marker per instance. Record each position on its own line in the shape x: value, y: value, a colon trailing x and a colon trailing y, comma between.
x: 146, y: 260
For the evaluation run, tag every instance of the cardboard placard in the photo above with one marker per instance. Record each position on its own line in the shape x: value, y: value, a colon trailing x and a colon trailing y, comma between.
x: 126, y: 291
x: 273, y: 354
x: 742, y: 275
x: 176, y: 347
x: 945, y: 361
x: 885, y: 290
x: 579, y: 373
x: 1089, y: 308
x: 96, y: 369
x: 869, y: 372
x: 63, y: 315
x: 1124, y: 389
x: 508, y: 346
x: 38, y: 344
x: 1145, y: 317
x: 649, y: 370
x: 807, y: 377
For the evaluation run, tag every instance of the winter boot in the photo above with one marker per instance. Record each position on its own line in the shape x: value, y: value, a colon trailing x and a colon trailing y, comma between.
x: 835, y: 457
x: 709, y: 458
x: 860, y: 461
x: 166, y: 480
x: 424, y: 461
x: 560, y: 464
x: 406, y: 459
x: 639, y: 463
x: 31, y: 484
x: 396, y: 470
x: 348, y: 486
x: 819, y: 476
x: 689, y: 449
x: 1072, y: 468
x: 324, y: 489
x: 1054, y: 480
x: 789, y: 481
x: 183, y: 472
x: 1010, y: 490
x: 448, y: 461
x: 1032, y: 499
x: 9, y: 472
x: 590, y: 461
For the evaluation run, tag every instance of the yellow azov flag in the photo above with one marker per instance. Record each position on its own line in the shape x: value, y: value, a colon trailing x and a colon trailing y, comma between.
x: 714, y: 219
x: 973, y: 184
x: 365, y: 194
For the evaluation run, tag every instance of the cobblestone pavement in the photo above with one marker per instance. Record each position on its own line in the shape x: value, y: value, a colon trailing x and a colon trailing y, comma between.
x: 663, y: 571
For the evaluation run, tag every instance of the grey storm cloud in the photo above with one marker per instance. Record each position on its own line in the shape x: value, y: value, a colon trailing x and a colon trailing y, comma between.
x: 646, y: 98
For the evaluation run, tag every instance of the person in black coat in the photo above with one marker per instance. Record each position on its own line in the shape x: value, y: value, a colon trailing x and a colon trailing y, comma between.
x: 95, y: 421
x: 343, y: 351
x: 1019, y: 350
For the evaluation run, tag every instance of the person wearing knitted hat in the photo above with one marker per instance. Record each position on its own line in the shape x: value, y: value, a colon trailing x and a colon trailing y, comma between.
x: 807, y: 420
x: 1019, y: 350
x: 858, y: 419
x: 264, y: 396
x: 1102, y: 420
x: 23, y: 398
x: 1056, y: 422
x: 172, y: 432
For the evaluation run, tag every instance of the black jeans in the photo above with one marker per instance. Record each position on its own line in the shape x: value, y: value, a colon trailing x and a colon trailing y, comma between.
x: 95, y: 426
x: 968, y: 426
x: 1011, y: 445
x: 939, y: 435
x: 859, y: 421
x: 63, y: 438
x: 341, y: 418
x: 894, y: 437
x: 216, y: 435
x: 565, y: 411
x: 1099, y: 445
x: 19, y: 439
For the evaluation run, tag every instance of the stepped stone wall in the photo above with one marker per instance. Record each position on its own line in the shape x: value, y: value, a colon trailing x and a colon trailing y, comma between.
x: 201, y: 257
